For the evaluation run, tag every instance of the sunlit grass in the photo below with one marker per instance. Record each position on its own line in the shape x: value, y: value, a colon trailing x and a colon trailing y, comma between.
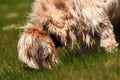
x: 76, y: 65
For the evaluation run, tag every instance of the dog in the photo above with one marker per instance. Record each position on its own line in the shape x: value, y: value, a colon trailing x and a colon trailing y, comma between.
x: 67, y: 21
x: 36, y: 48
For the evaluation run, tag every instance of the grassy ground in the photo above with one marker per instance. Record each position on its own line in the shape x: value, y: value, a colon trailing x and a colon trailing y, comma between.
x: 97, y: 65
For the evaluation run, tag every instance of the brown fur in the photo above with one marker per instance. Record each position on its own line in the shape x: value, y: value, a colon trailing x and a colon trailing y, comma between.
x: 36, y: 48
x: 116, y: 19
x: 116, y: 22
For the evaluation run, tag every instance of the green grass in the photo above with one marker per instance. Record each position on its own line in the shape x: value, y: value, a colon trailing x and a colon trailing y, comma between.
x: 76, y: 65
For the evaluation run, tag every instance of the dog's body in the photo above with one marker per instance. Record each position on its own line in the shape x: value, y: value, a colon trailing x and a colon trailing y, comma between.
x: 76, y: 20
x: 68, y: 19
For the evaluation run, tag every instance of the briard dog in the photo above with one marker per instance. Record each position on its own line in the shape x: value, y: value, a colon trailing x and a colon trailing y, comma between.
x: 56, y: 23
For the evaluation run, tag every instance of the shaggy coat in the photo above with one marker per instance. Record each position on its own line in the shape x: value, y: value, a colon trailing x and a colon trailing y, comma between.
x: 71, y: 20
x: 36, y: 48
x: 66, y: 21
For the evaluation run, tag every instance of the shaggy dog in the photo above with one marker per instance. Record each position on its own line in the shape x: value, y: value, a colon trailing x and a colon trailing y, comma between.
x: 66, y: 21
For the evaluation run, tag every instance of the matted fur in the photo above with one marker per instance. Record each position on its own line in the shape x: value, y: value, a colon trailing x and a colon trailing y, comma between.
x: 36, y: 48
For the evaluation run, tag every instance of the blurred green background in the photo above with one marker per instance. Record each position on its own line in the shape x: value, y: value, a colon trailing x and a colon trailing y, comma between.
x: 76, y: 65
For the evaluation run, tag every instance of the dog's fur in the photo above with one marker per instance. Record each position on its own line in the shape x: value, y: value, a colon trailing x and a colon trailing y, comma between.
x: 116, y: 22
x: 36, y: 48
x: 116, y: 19
x: 68, y: 21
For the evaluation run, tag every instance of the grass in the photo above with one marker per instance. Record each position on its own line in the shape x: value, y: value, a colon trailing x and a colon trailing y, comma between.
x: 97, y: 65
